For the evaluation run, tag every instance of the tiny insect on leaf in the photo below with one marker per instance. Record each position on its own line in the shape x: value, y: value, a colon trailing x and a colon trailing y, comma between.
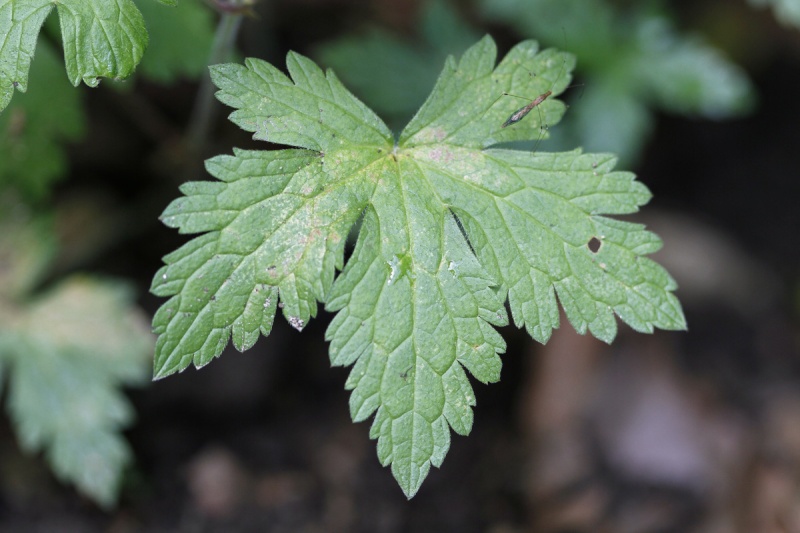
x: 522, y: 112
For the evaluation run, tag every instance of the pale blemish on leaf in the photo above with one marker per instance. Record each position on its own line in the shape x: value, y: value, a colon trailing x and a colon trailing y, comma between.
x: 394, y: 269
x: 431, y: 135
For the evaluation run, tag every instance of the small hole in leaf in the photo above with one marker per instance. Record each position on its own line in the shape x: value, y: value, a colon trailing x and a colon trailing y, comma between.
x: 594, y: 245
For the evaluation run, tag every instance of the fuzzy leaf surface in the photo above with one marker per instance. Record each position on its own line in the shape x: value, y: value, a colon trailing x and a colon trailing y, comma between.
x: 450, y: 229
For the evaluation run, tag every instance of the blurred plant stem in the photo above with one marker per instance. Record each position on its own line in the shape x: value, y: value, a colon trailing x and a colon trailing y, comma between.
x: 204, y: 109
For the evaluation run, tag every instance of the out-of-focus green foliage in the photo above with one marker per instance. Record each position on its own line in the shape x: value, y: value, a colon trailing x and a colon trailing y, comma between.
x: 65, y: 354
x: 180, y: 40
x: 37, y: 123
x: 393, y: 75
x: 34, y: 126
x: 631, y: 62
x: 787, y: 11
x: 27, y: 249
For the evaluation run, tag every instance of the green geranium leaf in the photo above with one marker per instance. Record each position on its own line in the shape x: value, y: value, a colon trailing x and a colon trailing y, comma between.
x: 450, y: 230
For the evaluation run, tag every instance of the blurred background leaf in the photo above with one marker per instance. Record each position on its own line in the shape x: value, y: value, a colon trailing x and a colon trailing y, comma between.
x: 631, y: 63
x: 180, y: 40
x: 27, y: 249
x: 66, y: 354
x: 392, y: 74
x: 787, y: 11
x: 36, y: 124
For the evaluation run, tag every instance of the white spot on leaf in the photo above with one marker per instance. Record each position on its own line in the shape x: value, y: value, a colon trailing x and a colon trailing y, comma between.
x: 453, y: 267
x: 394, y: 265
x: 297, y: 323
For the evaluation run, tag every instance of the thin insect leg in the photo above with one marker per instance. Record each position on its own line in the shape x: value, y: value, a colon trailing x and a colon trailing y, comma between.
x: 535, y: 103
x: 544, y: 126
x: 542, y: 132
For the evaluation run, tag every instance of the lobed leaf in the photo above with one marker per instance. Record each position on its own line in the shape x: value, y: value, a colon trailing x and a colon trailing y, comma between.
x: 450, y: 229
x: 467, y: 106
x: 411, y: 329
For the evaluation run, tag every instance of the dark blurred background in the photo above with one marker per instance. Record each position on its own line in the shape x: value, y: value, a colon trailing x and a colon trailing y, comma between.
x: 695, y: 431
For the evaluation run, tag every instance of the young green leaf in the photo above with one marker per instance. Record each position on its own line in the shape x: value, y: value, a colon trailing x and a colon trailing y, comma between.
x: 450, y: 230
x: 101, y: 38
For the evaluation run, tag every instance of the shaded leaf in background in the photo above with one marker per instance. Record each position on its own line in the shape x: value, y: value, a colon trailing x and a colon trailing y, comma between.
x: 67, y: 354
x: 101, y: 39
x: 450, y: 230
x: 27, y: 249
x: 34, y: 126
x: 180, y: 40
x: 787, y: 11
x: 684, y: 74
x: 632, y: 62
x: 394, y: 75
